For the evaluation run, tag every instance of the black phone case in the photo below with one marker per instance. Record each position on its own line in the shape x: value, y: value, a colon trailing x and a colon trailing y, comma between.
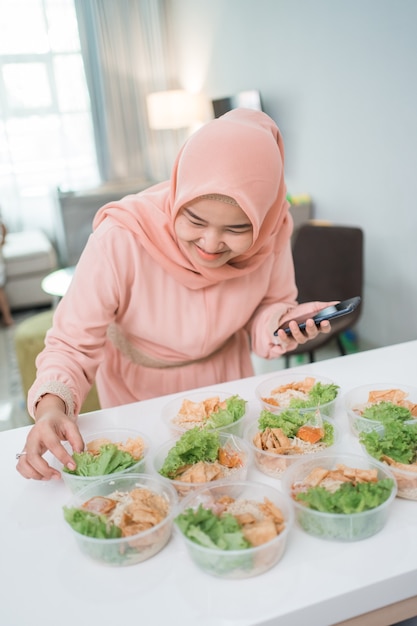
x: 348, y: 307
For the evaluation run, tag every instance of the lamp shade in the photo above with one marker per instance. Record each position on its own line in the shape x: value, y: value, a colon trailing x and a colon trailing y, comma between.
x: 171, y: 109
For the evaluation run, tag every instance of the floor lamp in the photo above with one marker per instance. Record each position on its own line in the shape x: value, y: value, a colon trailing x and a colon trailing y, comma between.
x: 176, y: 111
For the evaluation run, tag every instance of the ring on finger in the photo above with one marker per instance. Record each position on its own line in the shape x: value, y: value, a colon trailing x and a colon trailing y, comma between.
x: 19, y: 454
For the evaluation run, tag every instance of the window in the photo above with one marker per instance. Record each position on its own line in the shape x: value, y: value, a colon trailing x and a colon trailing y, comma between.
x: 46, y: 131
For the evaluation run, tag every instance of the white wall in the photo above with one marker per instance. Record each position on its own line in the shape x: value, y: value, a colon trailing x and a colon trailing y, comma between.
x: 340, y: 79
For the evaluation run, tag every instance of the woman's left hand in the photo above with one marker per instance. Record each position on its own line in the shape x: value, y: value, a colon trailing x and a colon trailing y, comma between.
x: 311, y: 331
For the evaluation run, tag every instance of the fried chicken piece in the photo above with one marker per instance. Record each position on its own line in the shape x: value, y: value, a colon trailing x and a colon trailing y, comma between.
x: 271, y: 401
x: 412, y: 467
x: 93, y: 447
x: 99, y: 505
x: 135, y: 447
x: 271, y: 439
x: 339, y: 476
x: 257, y: 440
x: 259, y: 521
x: 201, y: 472
x: 222, y: 504
x: 269, y: 509
x: 245, y: 518
x: 260, y: 532
x: 357, y: 475
x: 276, y: 441
x: 301, y: 385
x: 396, y: 396
x: 213, y: 405
x: 296, y: 389
x: 229, y: 458
x: 268, y: 440
x: 413, y: 408
x: 281, y: 437
x: 315, y: 477
x: 225, y: 501
x: 146, y: 509
x: 332, y: 479
x: 332, y: 483
x: 192, y: 411
x: 199, y: 411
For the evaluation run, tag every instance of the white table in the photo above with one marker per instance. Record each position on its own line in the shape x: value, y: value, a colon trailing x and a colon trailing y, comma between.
x: 46, y: 580
x: 57, y: 283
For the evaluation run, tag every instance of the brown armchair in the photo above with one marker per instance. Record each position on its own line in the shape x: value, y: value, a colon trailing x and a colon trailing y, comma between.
x: 328, y: 263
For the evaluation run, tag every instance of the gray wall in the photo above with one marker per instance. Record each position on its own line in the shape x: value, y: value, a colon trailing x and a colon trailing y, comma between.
x: 340, y: 79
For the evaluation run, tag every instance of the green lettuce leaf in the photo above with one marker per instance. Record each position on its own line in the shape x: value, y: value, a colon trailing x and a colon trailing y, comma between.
x: 193, y: 446
x: 290, y: 421
x: 348, y: 498
x: 91, y: 524
x: 235, y: 408
x: 328, y: 438
x: 387, y: 411
x: 319, y: 394
x: 211, y: 531
x: 109, y: 460
x: 397, y: 440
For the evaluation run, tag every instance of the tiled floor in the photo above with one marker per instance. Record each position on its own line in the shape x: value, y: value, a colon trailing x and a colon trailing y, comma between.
x: 13, y: 412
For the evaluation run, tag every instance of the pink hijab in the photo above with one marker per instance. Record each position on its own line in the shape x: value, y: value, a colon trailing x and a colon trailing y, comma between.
x: 240, y: 155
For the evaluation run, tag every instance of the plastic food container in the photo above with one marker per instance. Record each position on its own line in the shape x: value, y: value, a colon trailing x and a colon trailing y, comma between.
x: 338, y: 526
x: 273, y: 464
x: 177, y: 425
x: 356, y: 400
x: 234, y: 446
x: 115, y: 435
x: 406, y: 482
x: 136, y: 547
x: 264, y: 392
x: 406, y: 479
x: 243, y: 563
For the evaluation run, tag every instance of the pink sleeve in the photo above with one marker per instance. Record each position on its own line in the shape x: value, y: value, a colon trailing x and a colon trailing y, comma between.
x: 281, y: 297
x: 73, y: 346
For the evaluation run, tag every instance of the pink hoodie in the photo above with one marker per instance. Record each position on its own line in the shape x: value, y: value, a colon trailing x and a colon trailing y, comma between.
x: 139, y: 316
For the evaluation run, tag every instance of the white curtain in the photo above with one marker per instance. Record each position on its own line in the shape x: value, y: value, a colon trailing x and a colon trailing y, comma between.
x: 126, y: 52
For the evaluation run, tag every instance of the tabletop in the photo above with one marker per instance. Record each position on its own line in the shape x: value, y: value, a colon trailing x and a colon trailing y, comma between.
x: 56, y: 283
x: 46, y: 579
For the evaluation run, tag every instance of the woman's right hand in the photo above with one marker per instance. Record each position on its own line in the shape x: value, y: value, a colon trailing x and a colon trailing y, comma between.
x: 51, y: 428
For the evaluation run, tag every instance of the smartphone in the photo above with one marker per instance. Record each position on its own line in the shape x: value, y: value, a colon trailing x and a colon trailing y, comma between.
x: 328, y: 313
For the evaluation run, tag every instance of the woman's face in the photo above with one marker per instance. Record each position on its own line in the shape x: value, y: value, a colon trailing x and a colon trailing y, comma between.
x: 212, y: 232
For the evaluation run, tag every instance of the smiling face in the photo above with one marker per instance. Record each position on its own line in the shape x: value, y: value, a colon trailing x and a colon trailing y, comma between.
x: 212, y: 232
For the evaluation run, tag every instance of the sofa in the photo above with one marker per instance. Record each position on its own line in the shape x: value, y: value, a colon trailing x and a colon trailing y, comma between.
x: 29, y: 256
x: 75, y: 211
x: 29, y: 340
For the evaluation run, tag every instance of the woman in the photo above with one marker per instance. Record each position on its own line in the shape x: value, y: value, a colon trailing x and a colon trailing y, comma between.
x: 175, y: 287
